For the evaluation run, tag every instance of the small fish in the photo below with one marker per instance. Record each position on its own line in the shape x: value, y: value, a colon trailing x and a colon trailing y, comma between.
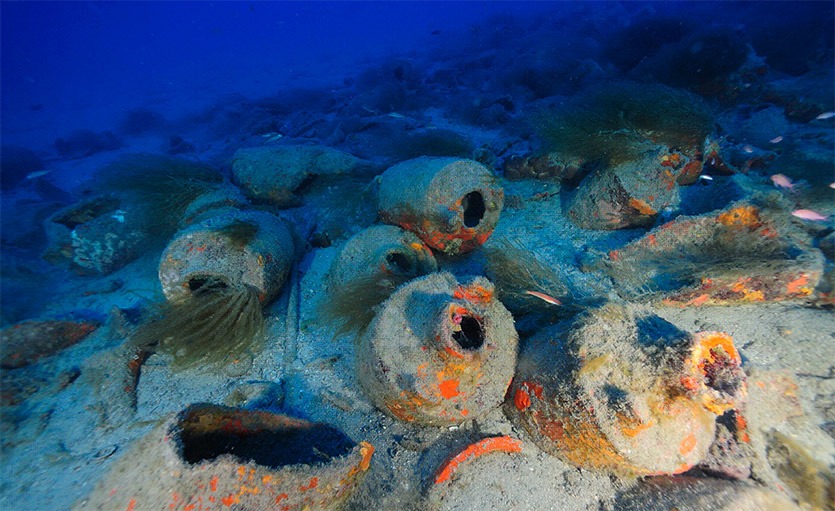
x: 545, y: 298
x: 706, y: 177
x: 37, y: 173
x: 777, y: 139
x: 782, y: 181
x: 808, y: 214
x: 747, y: 149
x: 396, y: 115
x: 825, y: 115
x: 832, y: 185
x: 272, y: 136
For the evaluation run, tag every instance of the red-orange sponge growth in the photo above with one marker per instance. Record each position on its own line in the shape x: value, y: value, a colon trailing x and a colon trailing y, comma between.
x: 713, y: 373
x: 493, y: 444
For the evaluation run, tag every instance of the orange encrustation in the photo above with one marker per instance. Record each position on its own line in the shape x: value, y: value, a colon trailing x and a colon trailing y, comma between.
x: 641, y: 207
x: 474, y: 293
x: 799, y: 286
x: 741, y: 216
x: 711, y: 349
x: 690, y: 172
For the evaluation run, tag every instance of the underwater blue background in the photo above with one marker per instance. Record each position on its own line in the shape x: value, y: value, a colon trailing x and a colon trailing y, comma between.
x: 68, y: 65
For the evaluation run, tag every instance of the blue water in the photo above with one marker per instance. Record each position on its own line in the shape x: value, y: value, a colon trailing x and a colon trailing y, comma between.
x: 83, y: 84
x: 81, y: 64
x: 84, y: 63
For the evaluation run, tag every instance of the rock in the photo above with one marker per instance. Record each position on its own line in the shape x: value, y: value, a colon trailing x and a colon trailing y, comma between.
x: 96, y: 236
x: 693, y: 494
x: 83, y: 143
x: 789, y: 453
x: 256, y: 394
x: 827, y: 246
x: 394, y: 139
x: 551, y: 166
x: 139, y: 121
x: 701, y: 62
x: 16, y: 163
x: 728, y: 456
x: 178, y: 145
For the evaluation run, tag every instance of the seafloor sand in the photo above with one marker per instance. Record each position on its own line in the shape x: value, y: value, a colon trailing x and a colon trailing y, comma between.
x: 71, y: 438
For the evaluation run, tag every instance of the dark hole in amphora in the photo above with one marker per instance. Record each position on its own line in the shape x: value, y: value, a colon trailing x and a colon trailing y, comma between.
x: 271, y: 447
x: 473, y: 204
x: 206, y: 283
x: 400, y: 262
x: 471, y: 335
x: 723, y: 373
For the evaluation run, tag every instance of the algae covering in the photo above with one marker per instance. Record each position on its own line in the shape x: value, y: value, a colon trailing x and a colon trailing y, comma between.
x: 613, y: 122
x: 369, y: 267
x: 217, y: 275
x: 742, y: 254
x: 216, y: 324
x: 164, y: 186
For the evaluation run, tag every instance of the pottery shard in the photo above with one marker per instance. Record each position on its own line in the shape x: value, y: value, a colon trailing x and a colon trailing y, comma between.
x: 216, y: 457
x: 26, y: 342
